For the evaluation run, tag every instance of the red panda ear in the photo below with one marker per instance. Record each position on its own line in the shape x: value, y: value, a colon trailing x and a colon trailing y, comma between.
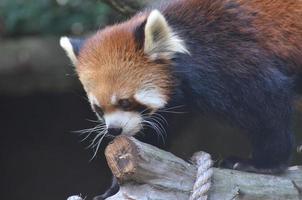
x: 139, y: 34
x: 159, y: 39
x: 72, y: 47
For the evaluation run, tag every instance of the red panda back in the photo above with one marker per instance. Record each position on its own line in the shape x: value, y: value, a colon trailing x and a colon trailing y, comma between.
x: 276, y: 24
x: 279, y: 26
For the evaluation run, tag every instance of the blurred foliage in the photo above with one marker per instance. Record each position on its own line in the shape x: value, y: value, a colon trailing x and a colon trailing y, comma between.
x: 32, y: 17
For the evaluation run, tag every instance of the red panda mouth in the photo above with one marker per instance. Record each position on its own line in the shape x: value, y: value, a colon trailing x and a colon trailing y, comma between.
x: 130, y: 122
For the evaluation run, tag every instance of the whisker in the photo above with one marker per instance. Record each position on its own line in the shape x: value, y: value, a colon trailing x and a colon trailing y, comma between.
x: 173, y: 112
x: 173, y: 107
x: 155, y: 127
x: 160, y: 117
x: 160, y: 132
x: 95, y: 121
x: 160, y: 126
x: 98, y: 146
x: 83, y: 131
x: 141, y: 113
x: 95, y: 138
x: 85, y: 138
x: 93, y: 131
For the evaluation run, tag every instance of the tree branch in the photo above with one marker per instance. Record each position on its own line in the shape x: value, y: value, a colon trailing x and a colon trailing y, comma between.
x: 148, y: 173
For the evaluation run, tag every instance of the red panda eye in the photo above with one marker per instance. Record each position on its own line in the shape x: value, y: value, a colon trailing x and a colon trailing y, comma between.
x: 125, y: 104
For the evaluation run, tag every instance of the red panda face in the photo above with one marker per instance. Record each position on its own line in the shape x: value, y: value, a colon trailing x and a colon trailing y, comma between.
x: 121, y: 80
x: 125, y: 70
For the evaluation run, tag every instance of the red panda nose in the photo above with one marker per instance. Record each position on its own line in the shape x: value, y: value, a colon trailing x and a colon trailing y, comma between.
x: 114, y: 131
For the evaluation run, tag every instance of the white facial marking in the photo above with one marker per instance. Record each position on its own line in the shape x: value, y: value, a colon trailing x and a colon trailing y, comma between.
x: 113, y: 99
x: 93, y: 99
x: 130, y: 122
x: 67, y: 46
x: 160, y: 40
x: 151, y: 97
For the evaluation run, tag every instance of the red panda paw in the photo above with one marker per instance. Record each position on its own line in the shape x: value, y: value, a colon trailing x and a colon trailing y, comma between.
x: 236, y: 163
x: 247, y: 165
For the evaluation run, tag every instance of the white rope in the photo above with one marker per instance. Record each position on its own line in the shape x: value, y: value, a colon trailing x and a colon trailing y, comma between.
x: 204, y: 175
x: 202, y: 184
x: 76, y: 197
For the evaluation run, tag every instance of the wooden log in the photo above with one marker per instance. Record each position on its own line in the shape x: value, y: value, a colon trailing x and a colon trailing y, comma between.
x: 148, y: 173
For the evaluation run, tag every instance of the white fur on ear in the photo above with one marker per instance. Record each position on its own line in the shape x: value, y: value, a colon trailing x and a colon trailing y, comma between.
x: 67, y: 46
x: 160, y: 40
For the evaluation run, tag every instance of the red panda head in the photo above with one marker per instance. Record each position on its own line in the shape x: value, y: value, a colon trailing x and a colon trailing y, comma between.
x: 125, y: 69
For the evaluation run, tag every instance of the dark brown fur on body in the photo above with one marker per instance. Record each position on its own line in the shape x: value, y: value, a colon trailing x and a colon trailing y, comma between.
x: 275, y: 24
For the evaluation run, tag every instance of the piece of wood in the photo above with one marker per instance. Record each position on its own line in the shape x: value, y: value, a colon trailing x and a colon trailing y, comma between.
x: 148, y: 173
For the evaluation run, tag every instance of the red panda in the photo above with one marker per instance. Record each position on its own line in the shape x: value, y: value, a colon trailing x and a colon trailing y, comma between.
x: 235, y: 59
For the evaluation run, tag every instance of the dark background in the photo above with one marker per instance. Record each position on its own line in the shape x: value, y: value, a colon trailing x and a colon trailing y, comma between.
x: 42, y: 104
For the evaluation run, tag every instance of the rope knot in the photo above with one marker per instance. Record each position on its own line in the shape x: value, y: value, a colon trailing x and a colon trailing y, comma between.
x: 202, y: 185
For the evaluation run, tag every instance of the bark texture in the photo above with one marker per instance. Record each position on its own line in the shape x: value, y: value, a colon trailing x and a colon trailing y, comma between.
x: 148, y: 173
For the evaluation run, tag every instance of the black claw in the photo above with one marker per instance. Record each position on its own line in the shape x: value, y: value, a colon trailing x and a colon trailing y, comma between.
x: 230, y: 163
x: 240, y: 165
x: 247, y: 165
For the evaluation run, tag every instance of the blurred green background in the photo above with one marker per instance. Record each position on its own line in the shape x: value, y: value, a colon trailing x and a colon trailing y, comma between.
x: 50, y: 17
x: 42, y: 103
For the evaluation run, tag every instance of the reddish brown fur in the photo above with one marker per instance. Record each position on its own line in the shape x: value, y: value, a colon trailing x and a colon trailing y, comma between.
x: 111, y: 63
x: 277, y: 24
